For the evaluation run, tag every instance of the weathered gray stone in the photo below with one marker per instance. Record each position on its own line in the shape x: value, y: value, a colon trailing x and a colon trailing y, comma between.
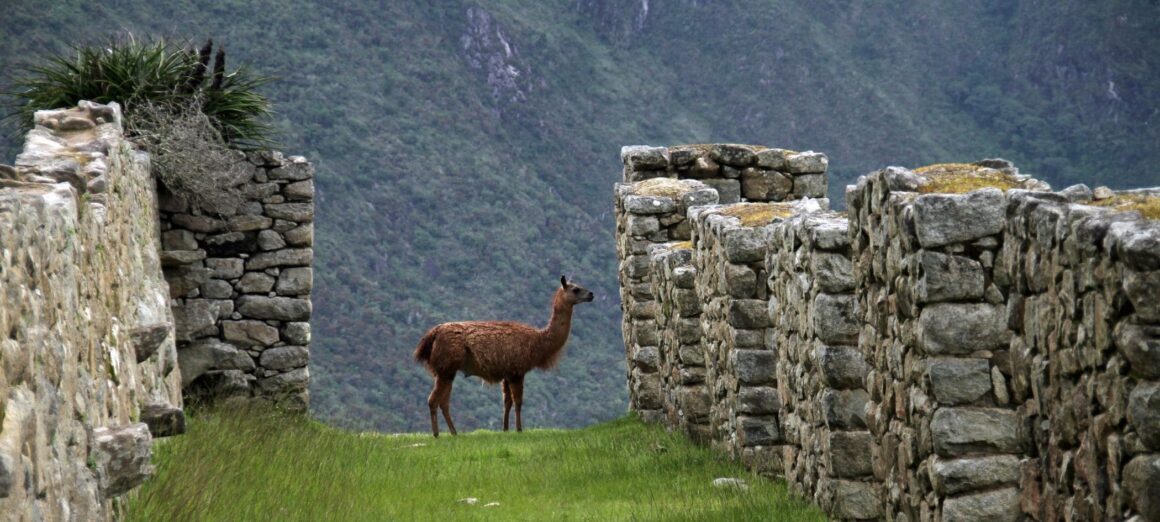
x: 844, y: 409
x: 694, y: 198
x: 210, y: 354
x: 958, y: 381
x: 643, y: 157
x: 193, y: 318
x: 1144, y: 413
x: 754, y: 367
x: 765, y: 185
x: 1137, y: 243
x: 647, y: 205
x: 849, y: 453
x: 255, y: 283
x: 299, y: 191
x: 962, y: 328
x: 835, y: 318
x: 277, y: 308
x: 841, y: 366
x: 302, y: 236
x: 293, y: 171
x: 270, y: 240
x: 180, y: 257
x: 216, y: 289
x: 748, y: 314
x: 225, y: 267
x: 1142, y: 482
x: 758, y: 400
x: 942, y: 219
x: 961, y: 431
x: 246, y: 223
x: 178, y: 239
x: 1001, y: 505
x: 284, y: 257
x: 197, y: 223
x: 637, y: 225
x: 249, y: 333
x: 296, y: 333
x: 848, y: 499
x: 1140, y: 344
x: 757, y: 431
x: 147, y: 339
x: 830, y: 235
x: 954, y: 476
x: 218, y: 385
x: 832, y: 272
x: 728, y: 190
x: 771, y: 159
x: 285, y: 357
x: 164, y: 420
x: 295, y: 281
x: 647, y: 358
x: 810, y: 185
x: 1143, y: 289
x: 121, y: 457
x: 297, y: 212
x: 948, y: 278
x: 743, y: 245
x: 732, y: 154
x: 1078, y: 193
x: 807, y: 162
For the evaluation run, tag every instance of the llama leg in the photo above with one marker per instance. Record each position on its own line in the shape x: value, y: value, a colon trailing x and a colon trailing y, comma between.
x: 433, y: 404
x: 507, y: 403
x: 517, y: 386
x: 445, y: 405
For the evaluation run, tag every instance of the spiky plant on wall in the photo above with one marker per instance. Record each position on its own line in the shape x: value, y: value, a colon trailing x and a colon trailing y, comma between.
x: 154, y: 73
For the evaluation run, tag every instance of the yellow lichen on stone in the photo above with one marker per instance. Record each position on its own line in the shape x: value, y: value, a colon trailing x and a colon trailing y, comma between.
x: 959, y: 178
x: 681, y: 245
x: 757, y: 214
x: 661, y: 187
x: 1147, y: 206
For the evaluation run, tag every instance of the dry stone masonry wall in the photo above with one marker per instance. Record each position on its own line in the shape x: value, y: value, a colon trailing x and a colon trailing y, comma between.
x: 967, y: 345
x: 241, y: 279
x: 87, y: 356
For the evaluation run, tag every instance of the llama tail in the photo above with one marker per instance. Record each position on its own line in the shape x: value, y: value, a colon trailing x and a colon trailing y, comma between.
x: 423, y: 351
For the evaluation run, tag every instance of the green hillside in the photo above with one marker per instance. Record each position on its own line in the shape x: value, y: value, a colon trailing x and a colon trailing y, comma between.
x: 467, y: 149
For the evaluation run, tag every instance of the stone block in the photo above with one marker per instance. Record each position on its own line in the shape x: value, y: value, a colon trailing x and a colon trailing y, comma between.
x: 121, y: 457
x: 833, y: 272
x: 1140, y: 344
x: 954, y: 476
x: 740, y: 281
x: 255, y: 283
x: 771, y: 159
x: 249, y: 333
x: 841, y: 367
x: 1137, y: 243
x: 284, y: 358
x: 948, y: 278
x: 646, y: 358
x: 830, y: 235
x: 1144, y: 413
x: 754, y: 367
x: 284, y: 257
x: 299, y: 190
x: 225, y: 267
x: 178, y: 239
x: 810, y: 186
x: 958, y: 381
x: 835, y: 318
x: 163, y: 420
x: 296, y: 212
x: 743, y: 245
x: 199, y: 357
x: 748, y: 314
x: 297, y: 333
x: 295, y: 281
x: 292, y: 171
x: 963, y: 328
x: 302, y: 236
x: 765, y: 185
x: 193, y: 318
x: 216, y: 289
x: 270, y: 240
x: 733, y: 154
x: 849, y: 500
x: 844, y: 409
x: 1000, y: 505
x: 849, y: 453
x: 758, y: 400
x: 248, y: 223
x: 942, y: 219
x: 147, y: 339
x: 1142, y: 483
x: 647, y: 205
x: 636, y: 225
x: 276, y: 308
x: 758, y: 431
x: 691, y: 355
x: 728, y: 190
x: 695, y: 403
x: 962, y: 431
x: 807, y: 162
x: 643, y: 157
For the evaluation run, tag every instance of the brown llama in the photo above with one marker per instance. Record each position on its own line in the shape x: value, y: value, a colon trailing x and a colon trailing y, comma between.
x: 496, y: 351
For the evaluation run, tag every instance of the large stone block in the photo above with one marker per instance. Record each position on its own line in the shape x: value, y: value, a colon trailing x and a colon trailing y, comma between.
x: 849, y: 500
x: 164, y: 420
x: 753, y: 367
x: 121, y: 457
x: 295, y: 281
x: 758, y: 431
x: 210, y: 354
x: 1144, y: 413
x: 954, y: 476
x: 844, y: 409
x: 285, y: 357
x: 835, y: 318
x: 832, y: 272
x: 1140, y: 344
x: 849, y: 453
x: 728, y: 190
x: 744, y: 245
x: 942, y: 219
x: 807, y: 162
x: 948, y: 278
x: 1001, y: 505
x: 758, y: 400
x: 765, y: 185
x: 959, y: 381
x: 646, y: 205
x: 749, y: 314
x: 249, y: 333
x: 643, y: 157
x: 276, y: 308
x: 147, y: 339
x: 963, y: 328
x: 962, y: 431
x: 841, y: 366
x: 1142, y: 482
x: 284, y: 257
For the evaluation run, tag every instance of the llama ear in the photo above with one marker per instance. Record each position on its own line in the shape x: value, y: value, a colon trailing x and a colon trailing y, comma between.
x: 563, y: 282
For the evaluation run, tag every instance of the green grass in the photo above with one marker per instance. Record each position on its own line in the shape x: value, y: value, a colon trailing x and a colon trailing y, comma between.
x: 253, y: 467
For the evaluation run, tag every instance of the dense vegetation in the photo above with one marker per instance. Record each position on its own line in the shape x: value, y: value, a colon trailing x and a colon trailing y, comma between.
x: 250, y: 467
x: 467, y: 149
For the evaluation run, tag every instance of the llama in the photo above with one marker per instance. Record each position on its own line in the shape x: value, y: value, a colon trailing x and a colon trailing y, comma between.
x: 496, y: 351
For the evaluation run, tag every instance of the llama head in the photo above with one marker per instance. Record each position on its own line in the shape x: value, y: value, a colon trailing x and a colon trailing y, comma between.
x: 573, y: 293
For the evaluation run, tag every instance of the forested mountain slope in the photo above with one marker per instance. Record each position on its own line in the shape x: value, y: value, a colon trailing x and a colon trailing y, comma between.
x: 467, y: 149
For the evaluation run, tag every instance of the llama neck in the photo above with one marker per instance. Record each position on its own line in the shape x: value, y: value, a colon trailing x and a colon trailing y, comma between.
x: 555, y: 335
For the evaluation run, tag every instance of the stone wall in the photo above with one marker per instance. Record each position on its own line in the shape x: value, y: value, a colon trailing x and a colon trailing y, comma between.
x: 951, y: 352
x: 240, y: 279
x: 86, y: 334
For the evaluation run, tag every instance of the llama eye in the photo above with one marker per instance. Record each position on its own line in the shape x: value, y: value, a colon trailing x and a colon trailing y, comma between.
x: 575, y: 290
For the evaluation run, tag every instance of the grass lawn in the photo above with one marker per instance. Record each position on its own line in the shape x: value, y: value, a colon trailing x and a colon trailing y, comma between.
x: 236, y: 466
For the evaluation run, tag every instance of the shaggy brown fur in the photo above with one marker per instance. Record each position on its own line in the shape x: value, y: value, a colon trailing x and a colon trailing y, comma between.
x: 496, y: 351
